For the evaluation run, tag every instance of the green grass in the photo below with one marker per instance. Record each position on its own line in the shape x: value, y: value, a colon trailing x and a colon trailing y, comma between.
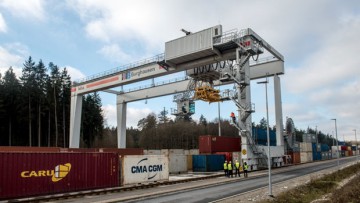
x: 316, y: 188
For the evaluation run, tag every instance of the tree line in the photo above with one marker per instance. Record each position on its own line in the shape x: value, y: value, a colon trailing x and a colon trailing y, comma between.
x: 35, y: 107
x: 35, y: 111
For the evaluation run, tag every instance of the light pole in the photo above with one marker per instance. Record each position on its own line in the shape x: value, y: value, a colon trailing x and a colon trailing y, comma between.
x: 337, y: 142
x: 356, y: 146
x: 219, y: 118
x: 268, y: 134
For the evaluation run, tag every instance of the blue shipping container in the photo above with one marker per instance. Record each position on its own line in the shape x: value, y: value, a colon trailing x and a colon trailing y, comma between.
x: 313, y: 145
x: 207, y: 163
x: 260, y: 136
x: 316, y: 156
x: 341, y: 143
x: 325, y: 147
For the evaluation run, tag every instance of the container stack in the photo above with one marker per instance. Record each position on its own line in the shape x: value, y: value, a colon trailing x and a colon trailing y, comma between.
x: 227, y: 147
x: 334, y: 151
x: 353, y: 149
x: 294, y: 154
x: 344, y: 151
x: 325, y: 152
x: 306, y: 152
x: 260, y: 136
x: 207, y: 163
x: 316, y: 152
x: 212, y: 144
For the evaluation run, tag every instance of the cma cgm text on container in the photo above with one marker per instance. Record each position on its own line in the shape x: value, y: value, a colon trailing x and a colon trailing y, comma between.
x: 144, y: 168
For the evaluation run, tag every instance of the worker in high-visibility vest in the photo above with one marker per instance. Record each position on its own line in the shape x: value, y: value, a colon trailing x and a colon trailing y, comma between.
x: 245, y: 170
x: 226, y: 168
x: 230, y: 169
x: 237, y: 168
x: 232, y: 115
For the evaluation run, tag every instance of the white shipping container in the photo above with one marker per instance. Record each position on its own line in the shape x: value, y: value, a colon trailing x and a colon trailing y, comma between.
x: 334, y: 148
x: 194, y: 151
x: 144, y: 168
x: 305, y: 157
x: 178, y: 163
x: 164, y: 152
x: 177, y: 151
x: 153, y: 152
x: 305, y: 147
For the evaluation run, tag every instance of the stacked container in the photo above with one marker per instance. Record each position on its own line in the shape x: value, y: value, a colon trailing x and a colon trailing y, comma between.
x: 212, y: 144
x: 207, y: 163
x: 305, y: 152
x: 260, y: 136
x: 316, y: 152
x: 325, y: 152
x: 295, y: 157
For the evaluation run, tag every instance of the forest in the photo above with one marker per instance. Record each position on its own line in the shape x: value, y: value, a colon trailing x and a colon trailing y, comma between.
x: 35, y: 111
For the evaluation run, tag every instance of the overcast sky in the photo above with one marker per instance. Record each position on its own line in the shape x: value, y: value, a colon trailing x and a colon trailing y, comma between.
x: 318, y: 39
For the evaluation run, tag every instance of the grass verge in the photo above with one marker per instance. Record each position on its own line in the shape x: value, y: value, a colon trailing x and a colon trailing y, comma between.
x: 316, y: 188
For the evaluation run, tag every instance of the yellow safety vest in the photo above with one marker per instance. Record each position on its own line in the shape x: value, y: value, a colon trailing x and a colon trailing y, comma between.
x: 237, y: 164
x: 229, y: 167
x: 225, y: 166
x: 246, y: 167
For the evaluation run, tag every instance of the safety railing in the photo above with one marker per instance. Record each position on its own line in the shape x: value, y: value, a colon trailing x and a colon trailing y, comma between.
x: 157, y: 58
x: 165, y: 82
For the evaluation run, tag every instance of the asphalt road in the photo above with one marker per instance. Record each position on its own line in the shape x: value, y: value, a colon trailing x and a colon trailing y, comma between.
x: 214, y: 189
x: 216, y: 192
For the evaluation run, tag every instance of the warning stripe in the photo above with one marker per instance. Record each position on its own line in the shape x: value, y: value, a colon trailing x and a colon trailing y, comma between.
x: 101, y: 82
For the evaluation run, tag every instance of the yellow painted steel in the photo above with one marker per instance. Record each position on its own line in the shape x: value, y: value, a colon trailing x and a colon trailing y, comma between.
x: 207, y: 93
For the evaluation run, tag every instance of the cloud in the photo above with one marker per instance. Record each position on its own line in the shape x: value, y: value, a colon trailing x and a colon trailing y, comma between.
x: 12, y: 54
x: 133, y: 115
x: 75, y: 73
x: 328, y: 79
x: 29, y: 9
x: 114, y: 53
x: 3, y: 26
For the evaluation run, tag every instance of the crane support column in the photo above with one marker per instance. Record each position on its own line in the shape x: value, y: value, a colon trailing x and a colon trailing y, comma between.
x: 75, y: 120
x: 121, y: 124
x: 278, y: 112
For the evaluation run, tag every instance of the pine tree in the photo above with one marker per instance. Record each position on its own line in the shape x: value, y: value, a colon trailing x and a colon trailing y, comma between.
x: 92, y: 118
x: 40, y: 92
x: 28, y: 82
x: 2, y: 113
x: 54, y: 83
x: 11, y: 87
x: 65, y: 103
x: 163, y: 116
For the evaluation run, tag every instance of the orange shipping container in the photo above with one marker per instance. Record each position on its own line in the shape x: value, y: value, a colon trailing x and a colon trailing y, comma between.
x: 295, y: 157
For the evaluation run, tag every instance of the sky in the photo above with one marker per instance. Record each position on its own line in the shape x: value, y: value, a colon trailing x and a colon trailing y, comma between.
x: 318, y: 39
